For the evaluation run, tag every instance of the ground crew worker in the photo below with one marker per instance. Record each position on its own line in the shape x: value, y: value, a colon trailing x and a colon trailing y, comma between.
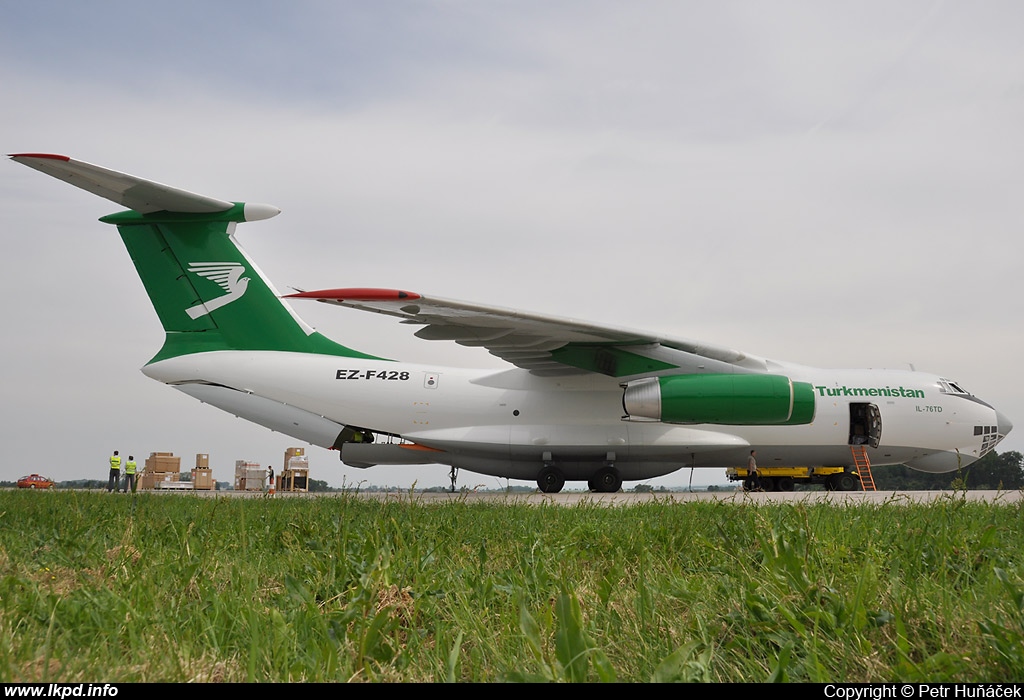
x: 129, y: 474
x: 115, y: 472
x: 752, y: 474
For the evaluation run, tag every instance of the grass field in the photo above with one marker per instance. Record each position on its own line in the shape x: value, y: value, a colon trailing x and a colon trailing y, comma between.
x: 100, y: 587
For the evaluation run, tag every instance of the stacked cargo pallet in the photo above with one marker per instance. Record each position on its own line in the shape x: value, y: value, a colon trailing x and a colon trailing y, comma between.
x: 295, y: 475
x: 202, y: 475
x: 161, y: 467
x: 249, y: 476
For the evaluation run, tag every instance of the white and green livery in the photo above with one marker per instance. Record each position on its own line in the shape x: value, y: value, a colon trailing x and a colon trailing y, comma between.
x: 578, y: 401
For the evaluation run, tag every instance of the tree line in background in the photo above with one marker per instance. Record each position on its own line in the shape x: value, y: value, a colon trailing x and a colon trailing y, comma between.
x: 994, y: 471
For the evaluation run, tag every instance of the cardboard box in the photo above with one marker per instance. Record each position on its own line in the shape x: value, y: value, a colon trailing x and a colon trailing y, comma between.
x: 149, y: 479
x: 249, y: 476
x: 202, y: 479
x: 163, y: 462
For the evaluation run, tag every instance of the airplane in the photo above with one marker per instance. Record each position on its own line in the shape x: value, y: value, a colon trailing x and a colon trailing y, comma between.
x: 578, y: 401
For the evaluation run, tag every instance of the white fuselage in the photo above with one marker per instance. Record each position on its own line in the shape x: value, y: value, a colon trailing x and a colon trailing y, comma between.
x: 509, y: 423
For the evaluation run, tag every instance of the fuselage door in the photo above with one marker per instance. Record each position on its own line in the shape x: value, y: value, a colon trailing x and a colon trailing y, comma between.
x: 865, y: 424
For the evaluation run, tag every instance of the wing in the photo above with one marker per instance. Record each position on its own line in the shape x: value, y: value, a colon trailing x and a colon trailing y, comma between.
x: 545, y: 345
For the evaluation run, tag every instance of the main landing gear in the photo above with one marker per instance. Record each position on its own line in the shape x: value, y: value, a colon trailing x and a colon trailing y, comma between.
x: 607, y: 479
x: 550, y: 479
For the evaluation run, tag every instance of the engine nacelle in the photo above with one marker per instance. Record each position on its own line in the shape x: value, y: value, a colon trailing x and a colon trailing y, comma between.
x: 721, y: 399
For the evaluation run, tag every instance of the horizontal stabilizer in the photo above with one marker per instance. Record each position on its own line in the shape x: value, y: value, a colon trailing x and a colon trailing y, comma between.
x: 129, y: 191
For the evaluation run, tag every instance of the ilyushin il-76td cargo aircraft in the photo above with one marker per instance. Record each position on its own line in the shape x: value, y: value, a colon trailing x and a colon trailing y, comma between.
x: 578, y: 402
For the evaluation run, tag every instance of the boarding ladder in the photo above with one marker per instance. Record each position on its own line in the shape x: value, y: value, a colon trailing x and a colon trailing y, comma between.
x: 863, y: 464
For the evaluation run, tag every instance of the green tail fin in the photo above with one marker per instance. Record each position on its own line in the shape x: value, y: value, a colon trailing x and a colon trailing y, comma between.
x: 207, y: 292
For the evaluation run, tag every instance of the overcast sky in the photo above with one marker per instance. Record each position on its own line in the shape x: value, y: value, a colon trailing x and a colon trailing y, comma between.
x: 835, y: 184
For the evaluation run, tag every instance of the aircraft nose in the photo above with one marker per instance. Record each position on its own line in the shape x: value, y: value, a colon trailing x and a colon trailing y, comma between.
x: 1005, y: 426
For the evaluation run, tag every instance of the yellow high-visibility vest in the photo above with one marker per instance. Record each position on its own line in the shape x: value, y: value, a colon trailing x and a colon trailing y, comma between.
x: 115, y: 462
x: 129, y: 467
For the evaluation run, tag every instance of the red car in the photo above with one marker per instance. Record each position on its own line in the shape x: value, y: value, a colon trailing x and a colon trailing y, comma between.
x: 34, y: 481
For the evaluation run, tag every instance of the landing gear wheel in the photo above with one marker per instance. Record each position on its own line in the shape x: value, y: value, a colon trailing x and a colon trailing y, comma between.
x: 550, y: 480
x: 606, y: 480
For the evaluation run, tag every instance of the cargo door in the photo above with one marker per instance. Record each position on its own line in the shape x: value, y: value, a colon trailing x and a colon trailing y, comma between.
x: 865, y: 424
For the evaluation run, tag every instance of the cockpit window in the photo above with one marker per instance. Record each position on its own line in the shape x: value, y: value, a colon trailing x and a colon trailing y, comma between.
x: 948, y: 387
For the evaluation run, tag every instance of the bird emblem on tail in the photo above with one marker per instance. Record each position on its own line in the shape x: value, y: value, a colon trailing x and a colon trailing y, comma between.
x: 228, y: 275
